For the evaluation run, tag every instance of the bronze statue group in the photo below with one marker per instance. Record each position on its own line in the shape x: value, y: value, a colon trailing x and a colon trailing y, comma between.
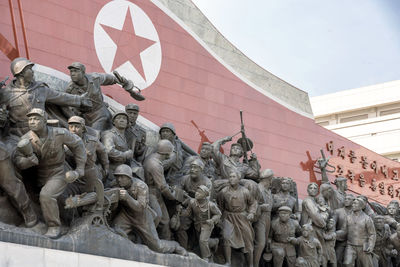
x: 63, y: 150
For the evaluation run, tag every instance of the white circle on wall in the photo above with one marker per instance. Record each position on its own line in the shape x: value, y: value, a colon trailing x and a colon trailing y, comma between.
x: 126, y: 40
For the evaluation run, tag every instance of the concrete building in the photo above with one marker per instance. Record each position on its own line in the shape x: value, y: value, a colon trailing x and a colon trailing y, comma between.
x: 369, y: 116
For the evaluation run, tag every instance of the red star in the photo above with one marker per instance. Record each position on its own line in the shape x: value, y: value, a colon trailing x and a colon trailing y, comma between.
x: 129, y: 45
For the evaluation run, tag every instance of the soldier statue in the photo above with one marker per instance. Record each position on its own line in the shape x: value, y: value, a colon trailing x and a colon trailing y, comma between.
x: 283, y: 230
x: 94, y: 151
x: 209, y: 164
x: 382, y: 244
x: 238, y: 208
x: 361, y: 237
x: 206, y: 215
x: 98, y: 117
x: 43, y: 147
x: 310, y: 248
x: 135, y: 134
x: 136, y: 215
x: 262, y: 224
x: 231, y: 163
x: 190, y: 184
x: 13, y: 186
x: 24, y: 93
x: 158, y: 187
x: 116, y: 145
x: 181, y: 152
x: 284, y: 198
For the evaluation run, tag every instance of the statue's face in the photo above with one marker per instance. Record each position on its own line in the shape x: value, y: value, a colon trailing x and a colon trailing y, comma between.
x: 195, y: 170
x: 284, y: 216
x: 236, y: 151
x: 342, y: 185
x: 76, y: 75
x: 327, y: 193
x: 123, y: 180
x: 167, y: 134
x: 305, y: 232
x: 285, y: 185
x: 234, y: 179
x: 36, y: 123
x: 200, y: 195
x: 348, y: 200
x: 379, y: 224
x: 120, y: 121
x: 76, y: 128
x: 205, y: 151
x: 133, y: 115
x: 392, y: 210
x: 312, y: 190
x: 27, y: 74
x: 357, y: 205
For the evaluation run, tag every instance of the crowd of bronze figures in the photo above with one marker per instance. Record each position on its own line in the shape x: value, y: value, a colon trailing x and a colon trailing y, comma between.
x: 62, y: 149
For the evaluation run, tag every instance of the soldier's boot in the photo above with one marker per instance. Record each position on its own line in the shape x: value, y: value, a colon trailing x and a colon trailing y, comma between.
x: 53, y: 232
x: 29, y: 216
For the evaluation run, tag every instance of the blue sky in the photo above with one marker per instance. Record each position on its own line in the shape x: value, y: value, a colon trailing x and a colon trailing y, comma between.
x: 318, y: 46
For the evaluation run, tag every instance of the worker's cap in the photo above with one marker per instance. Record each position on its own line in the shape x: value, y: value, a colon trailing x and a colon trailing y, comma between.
x: 131, y: 107
x: 37, y: 111
x: 77, y: 65
x: 285, y: 209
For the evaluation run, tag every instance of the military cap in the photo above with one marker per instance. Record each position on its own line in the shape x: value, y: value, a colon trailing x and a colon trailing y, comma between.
x: 132, y: 107
x: 77, y: 65
x: 37, y: 111
x: 285, y: 208
x: 77, y: 119
x: 119, y: 112
x: 168, y: 125
x: 266, y: 174
x: 165, y: 147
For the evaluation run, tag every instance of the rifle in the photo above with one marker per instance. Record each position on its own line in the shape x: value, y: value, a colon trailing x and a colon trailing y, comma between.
x: 244, y: 141
x: 322, y: 164
x: 3, y: 82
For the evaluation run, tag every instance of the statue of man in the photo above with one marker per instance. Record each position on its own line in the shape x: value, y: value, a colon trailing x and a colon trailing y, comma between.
x: 135, y: 134
x: 283, y: 230
x: 238, y: 207
x: 284, y: 198
x: 158, y: 187
x: 209, y: 164
x: 98, y: 117
x: 47, y: 153
x: 390, y: 218
x: 12, y: 186
x: 382, y: 248
x: 232, y: 163
x: 206, y: 215
x: 263, y: 222
x: 181, y: 152
x: 361, y: 237
x: 24, y: 93
x: 341, y: 234
x: 116, y: 145
x: 94, y: 150
x: 135, y: 213
x: 190, y: 184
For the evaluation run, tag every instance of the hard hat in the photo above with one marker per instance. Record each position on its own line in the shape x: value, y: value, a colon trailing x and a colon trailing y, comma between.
x: 123, y: 169
x: 19, y: 64
x: 165, y: 147
x: 168, y: 125
x: 119, y: 112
